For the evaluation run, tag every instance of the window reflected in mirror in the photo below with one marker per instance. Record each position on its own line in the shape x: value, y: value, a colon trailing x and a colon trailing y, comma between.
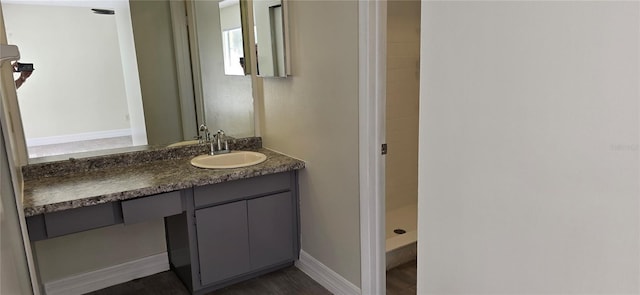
x: 233, y: 52
x: 232, y: 43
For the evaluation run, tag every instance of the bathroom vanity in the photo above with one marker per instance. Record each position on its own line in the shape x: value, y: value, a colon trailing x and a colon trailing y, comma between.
x: 234, y: 230
x: 222, y: 225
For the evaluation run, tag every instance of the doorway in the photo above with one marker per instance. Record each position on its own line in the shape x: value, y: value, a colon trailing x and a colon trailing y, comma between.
x: 372, y: 113
x: 401, y: 121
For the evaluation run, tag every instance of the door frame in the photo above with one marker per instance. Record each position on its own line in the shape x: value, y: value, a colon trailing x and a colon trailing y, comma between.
x: 16, y: 149
x: 372, y: 36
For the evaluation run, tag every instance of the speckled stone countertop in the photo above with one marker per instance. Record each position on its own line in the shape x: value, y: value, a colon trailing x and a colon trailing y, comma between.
x: 75, y: 165
x: 121, y: 182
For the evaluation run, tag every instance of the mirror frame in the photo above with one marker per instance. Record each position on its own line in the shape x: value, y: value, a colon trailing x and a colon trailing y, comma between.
x: 246, y: 21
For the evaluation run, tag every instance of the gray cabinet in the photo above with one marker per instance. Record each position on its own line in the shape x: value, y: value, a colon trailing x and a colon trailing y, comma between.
x: 81, y: 219
x: 55, y: 224
x: 271, y: 230
x: 152, y: 207
x: 217, y: 235
x: 236, y: 230
x: 223, y: 242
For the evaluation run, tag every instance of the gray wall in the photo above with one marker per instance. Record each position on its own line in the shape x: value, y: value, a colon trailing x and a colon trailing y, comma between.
x: 528, y: 173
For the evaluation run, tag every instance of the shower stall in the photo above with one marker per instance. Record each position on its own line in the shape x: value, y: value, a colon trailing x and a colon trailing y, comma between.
x: 403, y: 85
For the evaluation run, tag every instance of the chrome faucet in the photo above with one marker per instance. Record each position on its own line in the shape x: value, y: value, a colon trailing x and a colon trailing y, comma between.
x: 219, y: 140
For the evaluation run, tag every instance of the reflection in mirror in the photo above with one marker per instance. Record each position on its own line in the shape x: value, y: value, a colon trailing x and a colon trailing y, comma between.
x: 74, y: 97
x: 232, y: 45
x: 228, y: 100
x: 89, y: 87
x: 146, y: 95
x: 269, y: 19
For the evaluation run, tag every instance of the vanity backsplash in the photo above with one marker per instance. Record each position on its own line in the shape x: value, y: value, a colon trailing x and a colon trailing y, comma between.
x: 86, y: 164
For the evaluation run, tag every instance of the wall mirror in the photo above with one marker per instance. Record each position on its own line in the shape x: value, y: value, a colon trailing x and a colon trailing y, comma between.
x: 269, y: 38
x: 109, y: 81
x: 270, y: 26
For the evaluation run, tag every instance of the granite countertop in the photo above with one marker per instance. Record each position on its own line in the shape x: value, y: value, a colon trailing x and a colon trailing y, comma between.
x: 93, y: 187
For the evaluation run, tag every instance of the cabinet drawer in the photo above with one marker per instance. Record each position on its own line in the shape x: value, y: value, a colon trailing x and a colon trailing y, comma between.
x: 152, y: 207
x: 237, y: 189
x: 81, y: 219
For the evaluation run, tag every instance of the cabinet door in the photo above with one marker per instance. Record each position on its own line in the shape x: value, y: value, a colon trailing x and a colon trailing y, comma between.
x: 271, y: 229
x: 223, y: 242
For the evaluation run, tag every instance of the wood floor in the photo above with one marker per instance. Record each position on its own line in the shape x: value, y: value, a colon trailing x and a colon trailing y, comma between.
x: 400, y: 281
x: 286, y: 281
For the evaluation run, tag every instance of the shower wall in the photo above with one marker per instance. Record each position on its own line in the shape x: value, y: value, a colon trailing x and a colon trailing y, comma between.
x: 403, y: 84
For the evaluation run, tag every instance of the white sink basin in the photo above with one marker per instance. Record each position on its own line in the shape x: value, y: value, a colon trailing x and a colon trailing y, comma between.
x: 234, y: 159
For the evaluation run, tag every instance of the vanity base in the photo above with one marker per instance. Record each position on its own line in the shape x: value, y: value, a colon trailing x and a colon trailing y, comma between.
x: 234, y: 231
x: 236, y: 280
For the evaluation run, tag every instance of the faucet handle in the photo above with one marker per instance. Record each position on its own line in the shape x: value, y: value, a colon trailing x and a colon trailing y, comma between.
x: 220, y: 138
x: 206, y: 137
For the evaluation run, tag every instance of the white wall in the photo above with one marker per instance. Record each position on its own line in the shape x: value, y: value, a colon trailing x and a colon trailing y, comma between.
x: 313, y: 115
x: 70, y: 91
x: 403, y: 85
x: 228, y: 100
x: 230, y: 17
x: 528, y: 173
x: 17, y: 269
x: 14, y: 271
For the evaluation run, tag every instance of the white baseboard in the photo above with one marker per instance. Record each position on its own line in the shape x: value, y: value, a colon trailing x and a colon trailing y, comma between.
x: 37, y: 141
x: 110, y: 276
x: 326, y: 277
